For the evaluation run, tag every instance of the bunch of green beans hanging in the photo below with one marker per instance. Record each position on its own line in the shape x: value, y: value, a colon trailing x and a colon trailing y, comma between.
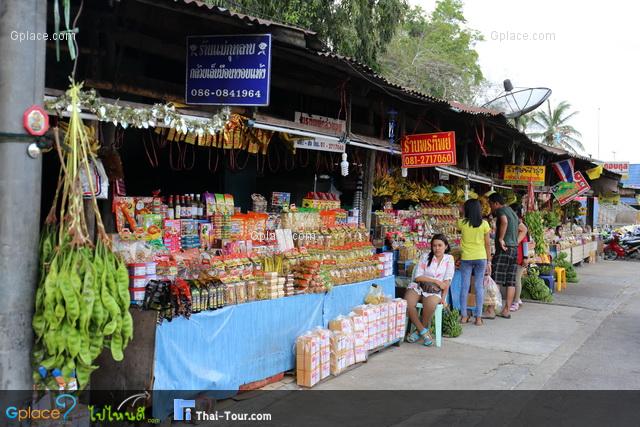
x: 82, y: 300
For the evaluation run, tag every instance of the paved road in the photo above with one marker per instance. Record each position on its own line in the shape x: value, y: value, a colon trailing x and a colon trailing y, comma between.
x: 608, y: 359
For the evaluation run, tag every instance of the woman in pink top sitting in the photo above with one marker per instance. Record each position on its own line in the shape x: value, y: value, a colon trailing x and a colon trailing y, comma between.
x: 431, y: 279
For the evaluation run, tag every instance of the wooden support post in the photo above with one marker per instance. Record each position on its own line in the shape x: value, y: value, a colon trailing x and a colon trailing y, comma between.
x: 367, y: 191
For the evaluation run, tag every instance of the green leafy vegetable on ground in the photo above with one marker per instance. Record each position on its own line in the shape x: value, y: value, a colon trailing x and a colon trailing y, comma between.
x: 544, y: 270
x: 562, y: 262
x: 451, y: 326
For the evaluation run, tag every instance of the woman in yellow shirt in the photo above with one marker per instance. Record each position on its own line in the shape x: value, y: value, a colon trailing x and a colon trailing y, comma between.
x: 476, y: 251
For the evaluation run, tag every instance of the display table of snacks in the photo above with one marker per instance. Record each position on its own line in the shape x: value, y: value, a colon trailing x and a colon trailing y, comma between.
x: 223, y: 349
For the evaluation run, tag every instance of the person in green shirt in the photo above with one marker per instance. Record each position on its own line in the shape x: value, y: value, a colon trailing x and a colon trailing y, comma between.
x: 505, y: 259
x: 476, y: 249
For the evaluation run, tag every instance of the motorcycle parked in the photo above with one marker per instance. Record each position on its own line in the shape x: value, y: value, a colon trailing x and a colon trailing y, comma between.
x: 617, y: 248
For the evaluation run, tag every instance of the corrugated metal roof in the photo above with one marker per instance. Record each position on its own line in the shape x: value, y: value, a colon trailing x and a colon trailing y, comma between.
x: 245, y: 18
x: 363, y: 68
x: 471, y: 109
x: 634, y: 177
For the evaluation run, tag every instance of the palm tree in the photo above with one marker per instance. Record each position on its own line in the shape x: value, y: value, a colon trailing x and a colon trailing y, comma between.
x: 553, y: 128
x: 523, y: 123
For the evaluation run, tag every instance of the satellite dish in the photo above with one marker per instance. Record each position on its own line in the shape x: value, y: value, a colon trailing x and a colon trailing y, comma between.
x: 517, y: 102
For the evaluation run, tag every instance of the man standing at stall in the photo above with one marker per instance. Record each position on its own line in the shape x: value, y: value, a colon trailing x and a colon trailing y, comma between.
x: 505, y: 259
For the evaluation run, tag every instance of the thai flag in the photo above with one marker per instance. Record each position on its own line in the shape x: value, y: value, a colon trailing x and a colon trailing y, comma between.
x: 565, y: 169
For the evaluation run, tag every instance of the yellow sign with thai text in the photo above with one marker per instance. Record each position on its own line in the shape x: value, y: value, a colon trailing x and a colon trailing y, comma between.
x: 522, y: 175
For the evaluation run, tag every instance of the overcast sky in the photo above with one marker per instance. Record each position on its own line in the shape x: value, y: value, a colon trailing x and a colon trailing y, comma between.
x: 588, y: 57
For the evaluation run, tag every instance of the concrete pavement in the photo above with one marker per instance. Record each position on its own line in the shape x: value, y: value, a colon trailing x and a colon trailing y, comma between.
x: 593, y: 323
x: 587, y: 339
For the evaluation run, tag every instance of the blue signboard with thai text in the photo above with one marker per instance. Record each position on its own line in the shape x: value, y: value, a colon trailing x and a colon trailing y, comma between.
x: 228, y: 70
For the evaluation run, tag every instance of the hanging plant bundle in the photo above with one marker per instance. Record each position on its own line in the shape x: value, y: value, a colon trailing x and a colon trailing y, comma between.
x: 82, y: 301
x: 533, y: 220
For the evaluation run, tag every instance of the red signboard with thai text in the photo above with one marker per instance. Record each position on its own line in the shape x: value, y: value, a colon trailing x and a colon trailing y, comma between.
x: 429, y: 149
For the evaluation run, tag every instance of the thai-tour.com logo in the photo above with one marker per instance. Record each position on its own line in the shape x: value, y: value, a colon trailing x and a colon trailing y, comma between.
x: 185, y: 410
x: 182, y: 409
x: 64, y: 405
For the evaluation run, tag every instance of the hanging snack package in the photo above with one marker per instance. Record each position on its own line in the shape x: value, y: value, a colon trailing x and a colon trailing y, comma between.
x: 152, y: 226
x: 221, y: 206
x: 144, y: 206
x: 206, y: 235
x: 124, y: 210
x: 228, y: 200
x: 210, y: 204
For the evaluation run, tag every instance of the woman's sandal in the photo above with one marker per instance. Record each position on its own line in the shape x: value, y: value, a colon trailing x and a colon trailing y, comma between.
x: 464, y: 320
x: 428, y: 341
x: 415, y: 336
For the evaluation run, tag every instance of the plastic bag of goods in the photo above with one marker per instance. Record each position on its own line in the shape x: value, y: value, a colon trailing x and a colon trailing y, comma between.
x: 492, y: 295
x: 374, y: 296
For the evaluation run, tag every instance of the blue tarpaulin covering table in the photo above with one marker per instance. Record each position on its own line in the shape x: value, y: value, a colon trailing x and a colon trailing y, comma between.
x: 240, y: 344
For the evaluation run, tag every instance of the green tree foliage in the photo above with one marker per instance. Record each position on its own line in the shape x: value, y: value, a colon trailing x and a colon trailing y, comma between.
x: 357, y: 28
x: 435, y: 53
x: 552, y: 127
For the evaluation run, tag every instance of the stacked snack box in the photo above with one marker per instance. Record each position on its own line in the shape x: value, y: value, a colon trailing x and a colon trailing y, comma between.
x: 393, y: 311
x: 401, y: 314
x: 385, y: 264
x: 325, y: 352
x: 368, y: 314
x: 138, y: 279
x: 342, y: 354
x: 359, y: 337
x: 289, y: 286
x: 308, y: 359
x: 384, y: 324
x: 171, y: 235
